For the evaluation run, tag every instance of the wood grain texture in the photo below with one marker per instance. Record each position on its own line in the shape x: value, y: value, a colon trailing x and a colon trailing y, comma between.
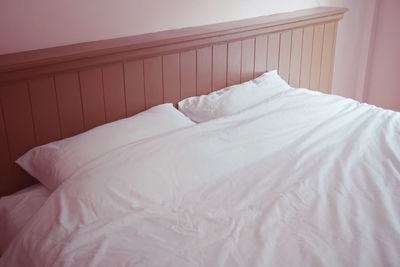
x: 188, y: 73
x: 327, y: 58
x: 273, y: 51
x: 44, y: 110
x: 247, y: 70
x: 18, y: 116
x: 306, y: 56
x: 333, y: 56
x: 153, y: 81
x: 285, y: 54
x: 134, y: 87
x: 171, y: 74
x: 4, y: 151
x: 69, y: 103
x: 234, y: 62
x: 114, y: 92
x: 92, y: 97
x: 296, y: 57
x: 220, y: 56
x: 260, y: 64
x: 17, y: 136
x: 204, y: 70
x: 316, y: 56
x: 5, y: 162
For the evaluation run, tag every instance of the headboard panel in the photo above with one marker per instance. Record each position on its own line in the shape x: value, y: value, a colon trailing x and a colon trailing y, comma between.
x: 50, y: 94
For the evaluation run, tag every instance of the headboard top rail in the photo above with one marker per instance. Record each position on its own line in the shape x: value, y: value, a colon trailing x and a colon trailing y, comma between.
x: 70, y: 57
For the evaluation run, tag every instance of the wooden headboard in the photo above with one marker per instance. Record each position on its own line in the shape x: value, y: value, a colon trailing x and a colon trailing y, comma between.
x: 54, y: 93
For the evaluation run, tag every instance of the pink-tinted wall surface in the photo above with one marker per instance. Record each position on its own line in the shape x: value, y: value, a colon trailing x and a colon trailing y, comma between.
x: 27, y: 25
x: 383, y: 88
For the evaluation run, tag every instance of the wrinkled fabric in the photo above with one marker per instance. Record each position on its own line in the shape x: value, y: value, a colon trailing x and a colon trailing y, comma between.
x: 301, y: 179
x: 17, y: 209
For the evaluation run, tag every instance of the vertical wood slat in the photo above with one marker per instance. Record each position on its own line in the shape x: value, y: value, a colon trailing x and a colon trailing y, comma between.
x: 172, y: 90
x: 134, y: 87
x: 260, y: 64
x: 333, y: 57
x: 18, y: 118
x: 284, y: 54
x: 219, y: 66
x: 5, y: 163
x: 45, y: 110
x: 306, y: 56
x: 273, y: 51
x: 247, y: 72
x: 327, y: 58
x: 9, y: 171
x: 204, y: 66
x: 153, y: 81
x: 295, y: 57
x: 316, y: 57
x: 69, y: 103
x: 188, y: 73
x: 4, y: 151
x: 12, y: 177
x: 114, y: 92
x: 92, y: 97
x: 234, y: 62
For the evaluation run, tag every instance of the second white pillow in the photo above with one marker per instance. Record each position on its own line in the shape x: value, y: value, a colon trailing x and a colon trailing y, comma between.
x: 234, y: 98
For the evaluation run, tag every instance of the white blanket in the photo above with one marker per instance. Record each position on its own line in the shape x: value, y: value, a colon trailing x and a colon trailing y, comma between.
x: 302, y: 179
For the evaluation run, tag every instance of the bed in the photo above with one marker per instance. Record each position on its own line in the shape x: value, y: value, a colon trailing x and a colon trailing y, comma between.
x: 262, y: 173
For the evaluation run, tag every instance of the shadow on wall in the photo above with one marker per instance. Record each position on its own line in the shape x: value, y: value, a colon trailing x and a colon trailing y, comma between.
x: 383, y: 83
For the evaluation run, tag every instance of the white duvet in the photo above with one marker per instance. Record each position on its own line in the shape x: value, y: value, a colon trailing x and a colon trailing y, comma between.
x: 302, y: 179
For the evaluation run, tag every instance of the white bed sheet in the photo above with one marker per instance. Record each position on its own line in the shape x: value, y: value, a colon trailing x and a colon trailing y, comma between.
x: 302, y: 179
x: 17, y: 209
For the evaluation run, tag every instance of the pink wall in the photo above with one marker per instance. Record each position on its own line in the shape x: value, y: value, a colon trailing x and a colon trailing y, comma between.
x: 352, y: 48
x: 27, y: 25
x: 383, y: 88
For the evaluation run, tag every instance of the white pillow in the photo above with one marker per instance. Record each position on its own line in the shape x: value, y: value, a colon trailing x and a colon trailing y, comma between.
x: 17, y: 209
x: 55, y: 162
x: 233, y: 99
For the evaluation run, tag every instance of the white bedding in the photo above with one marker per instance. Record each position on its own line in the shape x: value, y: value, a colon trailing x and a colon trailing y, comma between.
x: 302, y: 179
x: 17, y: 209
